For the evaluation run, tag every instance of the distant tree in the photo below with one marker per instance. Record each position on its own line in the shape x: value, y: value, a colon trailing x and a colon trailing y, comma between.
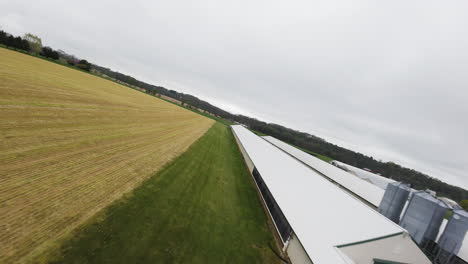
x: 464, y: 204
x: 25, y: 45
x: 10, y: 41
x: 62, y: 61
x: 35, y: 42
x: 3, y: 37
x: 50, y: 53
x: 70, y: 59
x: 17, y: 42
x: 84, y: 65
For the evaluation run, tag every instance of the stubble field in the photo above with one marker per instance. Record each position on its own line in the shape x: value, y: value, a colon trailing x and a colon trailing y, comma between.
x: 201, y: 208
x: 72, y: 143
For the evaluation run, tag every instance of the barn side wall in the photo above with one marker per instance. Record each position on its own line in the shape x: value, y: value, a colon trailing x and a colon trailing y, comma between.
x: 296, y: 252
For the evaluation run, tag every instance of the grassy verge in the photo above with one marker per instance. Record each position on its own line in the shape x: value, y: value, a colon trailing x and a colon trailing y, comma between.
x: 322, y: 157
x: 201, y: 208
x: 258, y: 133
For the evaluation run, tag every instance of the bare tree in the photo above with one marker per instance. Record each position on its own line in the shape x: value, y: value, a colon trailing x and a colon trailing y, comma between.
x: 35, y: 42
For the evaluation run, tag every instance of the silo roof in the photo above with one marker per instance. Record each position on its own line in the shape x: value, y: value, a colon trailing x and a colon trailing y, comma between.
x: 365, y: 190
x: 300, y: 192
x: 431, y: 198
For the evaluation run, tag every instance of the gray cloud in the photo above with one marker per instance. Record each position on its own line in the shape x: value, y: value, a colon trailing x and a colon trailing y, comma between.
x: 384, y: 78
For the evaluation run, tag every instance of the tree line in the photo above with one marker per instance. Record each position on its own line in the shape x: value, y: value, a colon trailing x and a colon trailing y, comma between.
x: 391, y: 170
x: 12, y: 41
x: 33, y: 44
x: 304, y: 140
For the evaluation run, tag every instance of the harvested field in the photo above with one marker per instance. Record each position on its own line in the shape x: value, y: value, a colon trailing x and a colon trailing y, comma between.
x: 200, y: 208
x: 72, y: 143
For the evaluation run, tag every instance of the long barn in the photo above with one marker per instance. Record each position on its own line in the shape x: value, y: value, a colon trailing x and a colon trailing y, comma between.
x: 317, y: 221
x: 366, y: 191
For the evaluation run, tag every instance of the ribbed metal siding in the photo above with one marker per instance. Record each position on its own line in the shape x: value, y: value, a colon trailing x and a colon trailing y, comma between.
x: 394, y: 200
x: 423, y: 217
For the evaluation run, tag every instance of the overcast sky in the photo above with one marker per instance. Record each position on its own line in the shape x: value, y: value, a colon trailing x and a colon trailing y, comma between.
x: 385, y: 78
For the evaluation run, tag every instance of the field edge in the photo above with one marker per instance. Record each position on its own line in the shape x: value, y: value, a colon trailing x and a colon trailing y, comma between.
x: 47, y: 252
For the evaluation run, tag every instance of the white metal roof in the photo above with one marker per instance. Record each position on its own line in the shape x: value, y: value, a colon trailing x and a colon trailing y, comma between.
x: 300, y: 192
x: 365, y: 190
x: 375, y: 179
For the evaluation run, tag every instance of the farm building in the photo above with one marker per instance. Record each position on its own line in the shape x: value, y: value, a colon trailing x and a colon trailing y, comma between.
x: 366, y: 191
x: 424, y: 215
x: 341, y: 230
x: 365, y: 175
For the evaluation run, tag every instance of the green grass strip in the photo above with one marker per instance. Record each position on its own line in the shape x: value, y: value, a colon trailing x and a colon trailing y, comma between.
x: 322, y: 157
x: 201, y: 208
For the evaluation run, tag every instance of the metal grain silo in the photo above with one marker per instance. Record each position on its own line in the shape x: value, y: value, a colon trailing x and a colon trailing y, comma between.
x: 454, y: 234
x: 423, y: 217
x: 394, y: 200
